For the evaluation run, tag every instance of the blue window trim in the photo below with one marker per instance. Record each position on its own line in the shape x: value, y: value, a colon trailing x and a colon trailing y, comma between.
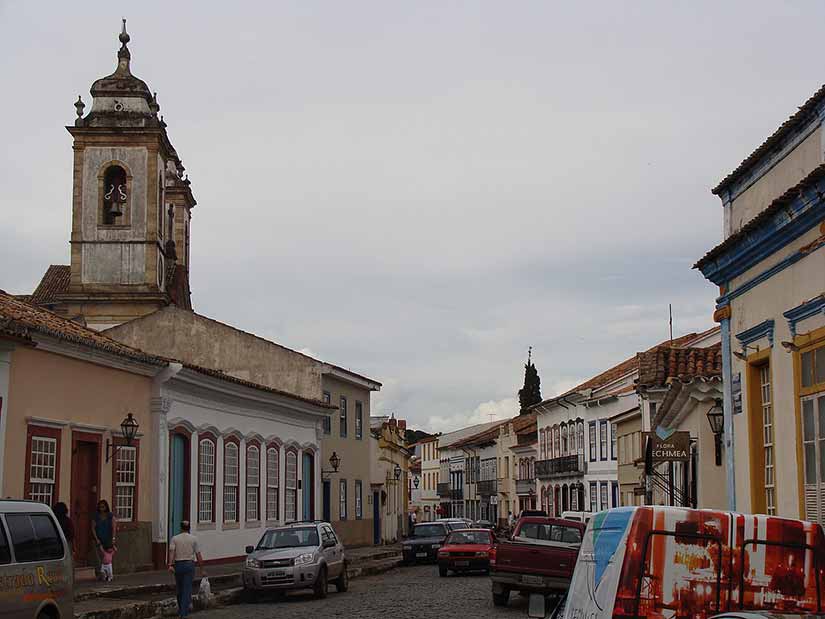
x: 594, y: 491
x: 805, y: 310
x: 593, y: 445
x: 612, y: 429
x: 603, y: 427
x: 757, y: 332
x: 603, y: 484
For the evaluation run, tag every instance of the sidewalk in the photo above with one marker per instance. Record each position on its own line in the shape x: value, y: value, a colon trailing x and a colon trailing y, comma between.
x: 148, y: 594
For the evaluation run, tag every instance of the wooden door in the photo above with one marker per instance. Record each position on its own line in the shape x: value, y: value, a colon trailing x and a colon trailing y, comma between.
x: 85, y: 494
x: 178, y: 483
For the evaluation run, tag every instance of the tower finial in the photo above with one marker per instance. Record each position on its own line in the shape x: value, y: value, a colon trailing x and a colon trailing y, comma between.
x: 124, y: 38
x: 529, y: 354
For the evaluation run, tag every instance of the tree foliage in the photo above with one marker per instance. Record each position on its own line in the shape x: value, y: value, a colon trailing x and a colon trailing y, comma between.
x: 530, y: 393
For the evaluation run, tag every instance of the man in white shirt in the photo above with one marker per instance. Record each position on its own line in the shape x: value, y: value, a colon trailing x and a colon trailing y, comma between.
x: 183, y: 552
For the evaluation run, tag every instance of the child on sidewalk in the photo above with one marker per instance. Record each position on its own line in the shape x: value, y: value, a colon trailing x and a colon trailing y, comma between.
x: 106, y: 563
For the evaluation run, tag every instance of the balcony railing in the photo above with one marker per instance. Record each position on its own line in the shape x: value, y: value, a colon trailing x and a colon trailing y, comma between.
x: 558, y: 467
x: 525, y: 486
x: 487, y: 487
x: 444, y: 489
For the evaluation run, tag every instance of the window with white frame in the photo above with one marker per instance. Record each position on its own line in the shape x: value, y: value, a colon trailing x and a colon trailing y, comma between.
x: 206, y: 480
x: 581, y: 436
x: 125, y: 483
x: 557, y: 441
x: 231, y: 477
x: 253, y: 483
x: 272, y: 473
x: 813, y: 446
x: 358, y: 498
x: 594, y: 504
x: 603, y: 440
x: 574, y: 498
x: 572, y: 428
x: 342, y: 499
x: 564, y: 440
x: 603, y: 496
x: 359, y: 420
x: 42, y: 469
x: 592, y: 432
x: 291, y: 498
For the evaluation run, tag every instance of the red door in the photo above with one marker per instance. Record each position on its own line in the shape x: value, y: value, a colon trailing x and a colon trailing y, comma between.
x: 85, y: 472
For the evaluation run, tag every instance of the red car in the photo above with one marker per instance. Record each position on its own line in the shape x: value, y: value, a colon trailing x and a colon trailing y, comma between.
x: 466, y: 550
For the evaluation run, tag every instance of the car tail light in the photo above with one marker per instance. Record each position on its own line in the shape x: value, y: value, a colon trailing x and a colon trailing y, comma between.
x: 492, y: 555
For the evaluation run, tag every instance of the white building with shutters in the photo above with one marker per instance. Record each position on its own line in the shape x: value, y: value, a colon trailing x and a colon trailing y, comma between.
x: 232, y: 457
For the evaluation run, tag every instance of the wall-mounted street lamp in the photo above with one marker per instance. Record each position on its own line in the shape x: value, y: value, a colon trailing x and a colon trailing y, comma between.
x: 334, y: 462
x: 397, y: 471
x: 128, y: 428
x: 716, y: 419
x: 743, y: 354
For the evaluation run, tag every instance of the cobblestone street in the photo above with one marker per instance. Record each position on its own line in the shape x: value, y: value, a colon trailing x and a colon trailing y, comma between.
x: 404, y: 592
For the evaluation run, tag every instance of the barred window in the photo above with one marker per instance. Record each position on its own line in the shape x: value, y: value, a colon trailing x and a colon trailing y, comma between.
x: 273, y: 470
x: 358, y: 498
x: 125, y: 483
x: 42, y: 469
x: 230, y: 482
x: 206, y: 481
x: 253, y: 482
x: 291, y: 513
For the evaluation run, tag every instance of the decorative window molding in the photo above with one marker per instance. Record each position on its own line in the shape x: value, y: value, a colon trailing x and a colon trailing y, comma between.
x: 757, y: 332
x: 253, y: 481
x: 273, y: 484
x: 42, y: 470
x: 231, y: 478
x: 807, y: 309
x: 126, y: 480
x: 207, y: 468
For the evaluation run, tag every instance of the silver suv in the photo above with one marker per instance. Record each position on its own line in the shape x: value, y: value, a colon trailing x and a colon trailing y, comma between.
x: 301, y: 555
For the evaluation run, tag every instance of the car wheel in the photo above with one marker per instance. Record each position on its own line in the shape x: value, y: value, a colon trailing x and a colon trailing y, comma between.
x: 442, y: 571
x: 500, y: 599
x: 320, y: 587
x: 342, y: 584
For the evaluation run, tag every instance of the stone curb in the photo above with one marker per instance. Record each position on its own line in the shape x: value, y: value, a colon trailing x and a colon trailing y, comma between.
x: 130, y: 590
x: 227, y: 597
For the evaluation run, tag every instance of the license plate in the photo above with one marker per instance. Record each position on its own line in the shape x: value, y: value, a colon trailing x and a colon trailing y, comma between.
x: 276, y: 574
x: 420, y: 554
x: 532, y: 580
x: 462, y: 563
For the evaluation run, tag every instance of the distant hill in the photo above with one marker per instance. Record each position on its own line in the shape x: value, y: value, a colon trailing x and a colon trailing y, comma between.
x: 413, y: 436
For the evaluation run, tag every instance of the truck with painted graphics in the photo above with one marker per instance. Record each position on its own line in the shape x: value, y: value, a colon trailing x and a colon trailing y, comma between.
x: 671, y: 562
x: 538, y: 558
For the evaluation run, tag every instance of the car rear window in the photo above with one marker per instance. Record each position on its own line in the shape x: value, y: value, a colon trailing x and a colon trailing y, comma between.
x: 5, y: 551
x: 429, y: 530
x: 34, y: 537
x: 469, y: 537
x: 550, y: 533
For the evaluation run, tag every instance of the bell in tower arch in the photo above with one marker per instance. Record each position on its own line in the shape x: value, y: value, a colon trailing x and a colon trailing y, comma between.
x: 114, y: 197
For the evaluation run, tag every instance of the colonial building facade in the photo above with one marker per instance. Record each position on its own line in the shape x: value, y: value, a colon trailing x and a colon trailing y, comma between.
x: 129, y: 275
x: 770, y: 269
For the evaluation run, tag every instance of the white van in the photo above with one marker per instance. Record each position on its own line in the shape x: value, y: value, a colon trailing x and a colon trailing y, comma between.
x: 36, y: 577
x: 670, y: 562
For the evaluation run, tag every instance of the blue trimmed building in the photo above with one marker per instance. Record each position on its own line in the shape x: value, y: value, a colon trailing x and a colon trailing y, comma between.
x: 770, y: 269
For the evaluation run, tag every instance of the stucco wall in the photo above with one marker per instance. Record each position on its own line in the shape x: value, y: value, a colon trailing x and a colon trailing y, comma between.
x: 114, y: 263
x: 82, y: 397
x: 355, y: 461
x: 218, y: 539
x: 191, y: 338
x: 785, y: 290
x: 787, y: 173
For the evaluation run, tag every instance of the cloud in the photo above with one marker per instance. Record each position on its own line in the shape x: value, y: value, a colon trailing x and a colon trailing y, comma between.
x: 424, y: 214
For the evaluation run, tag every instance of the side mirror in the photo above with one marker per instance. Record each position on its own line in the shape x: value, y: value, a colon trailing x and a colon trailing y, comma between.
x: 250, y: 550
x: 328, y: 543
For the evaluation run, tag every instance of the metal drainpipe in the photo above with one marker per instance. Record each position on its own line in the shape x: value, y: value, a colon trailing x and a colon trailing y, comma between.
x: 727, y: 408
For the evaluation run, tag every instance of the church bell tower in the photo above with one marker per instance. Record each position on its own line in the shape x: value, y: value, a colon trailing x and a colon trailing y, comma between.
x: 131, y: 206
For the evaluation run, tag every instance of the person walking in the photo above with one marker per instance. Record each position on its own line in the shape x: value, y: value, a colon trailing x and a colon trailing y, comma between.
x: 183, y: 552
x: 61, y: 512
x: 104, y: 531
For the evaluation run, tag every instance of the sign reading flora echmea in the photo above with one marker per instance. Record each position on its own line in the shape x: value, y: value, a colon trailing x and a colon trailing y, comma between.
x: 670, y: 445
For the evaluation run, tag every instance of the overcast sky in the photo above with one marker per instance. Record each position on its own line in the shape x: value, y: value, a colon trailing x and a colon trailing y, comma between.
x: 419, y: 191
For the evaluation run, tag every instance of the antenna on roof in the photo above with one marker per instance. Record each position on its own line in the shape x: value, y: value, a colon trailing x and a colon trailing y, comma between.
x: 670, y: 314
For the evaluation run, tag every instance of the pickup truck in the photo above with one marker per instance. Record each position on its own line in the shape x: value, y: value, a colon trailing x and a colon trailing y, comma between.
x: 539, y: 558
